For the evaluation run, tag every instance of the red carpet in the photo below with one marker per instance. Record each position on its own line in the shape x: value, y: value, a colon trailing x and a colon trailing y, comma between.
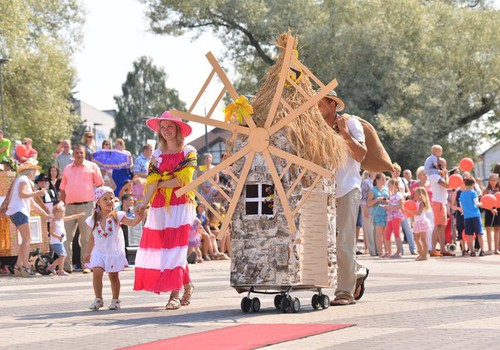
x: 245, y: 336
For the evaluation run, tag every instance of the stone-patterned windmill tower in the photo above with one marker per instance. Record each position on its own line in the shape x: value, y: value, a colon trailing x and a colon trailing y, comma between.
x: 282, y: 208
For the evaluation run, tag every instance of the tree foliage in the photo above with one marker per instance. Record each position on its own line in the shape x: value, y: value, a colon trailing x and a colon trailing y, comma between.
x: 420, y: 70
x: 39, y: 36
x: 144, y: 94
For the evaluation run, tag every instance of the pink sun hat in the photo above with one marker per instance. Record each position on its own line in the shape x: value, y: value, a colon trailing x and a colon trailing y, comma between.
x: 154, y: 123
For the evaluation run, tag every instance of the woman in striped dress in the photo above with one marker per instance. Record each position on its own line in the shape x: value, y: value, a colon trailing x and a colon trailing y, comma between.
x: 161, y: 264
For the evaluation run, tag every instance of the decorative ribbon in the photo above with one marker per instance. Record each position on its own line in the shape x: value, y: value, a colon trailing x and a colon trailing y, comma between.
x: 236, y: 111
x: 183, y: 171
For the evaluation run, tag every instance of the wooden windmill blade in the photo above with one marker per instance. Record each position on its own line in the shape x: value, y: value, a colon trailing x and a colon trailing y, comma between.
x: 311, y: 101
x: 281, y: 82
x: 215, y: 170
x: 240, y: 182
x: 228, y: 88
x: 212, y: 122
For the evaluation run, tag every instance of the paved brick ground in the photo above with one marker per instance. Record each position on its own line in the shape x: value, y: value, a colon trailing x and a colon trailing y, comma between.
x: 449, y: 303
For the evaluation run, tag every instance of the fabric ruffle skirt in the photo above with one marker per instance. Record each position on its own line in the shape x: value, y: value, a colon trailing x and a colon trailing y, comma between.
x: 422, y: 226
x: 160, y: 263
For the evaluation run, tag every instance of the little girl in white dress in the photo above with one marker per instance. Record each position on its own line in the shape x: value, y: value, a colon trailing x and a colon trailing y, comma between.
x: 106, y: 247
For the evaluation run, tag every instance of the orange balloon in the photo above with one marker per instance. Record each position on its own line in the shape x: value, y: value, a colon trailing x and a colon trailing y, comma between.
x: 455, y: 181
x: 410, y: 205
x: 497, y: 196
x: 489, y: 201
x: 466, y: 164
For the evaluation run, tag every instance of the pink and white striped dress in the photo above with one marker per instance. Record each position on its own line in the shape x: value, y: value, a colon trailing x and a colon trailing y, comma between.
x: 160, y: 263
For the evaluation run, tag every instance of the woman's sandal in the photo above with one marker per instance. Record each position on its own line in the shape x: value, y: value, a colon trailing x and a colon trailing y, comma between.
x: 186, y: 297
x: 22, y: 271
x: 18, y: 271
x: 174, y: 303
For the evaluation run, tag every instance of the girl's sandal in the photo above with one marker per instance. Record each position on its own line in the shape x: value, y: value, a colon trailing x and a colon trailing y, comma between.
x: 186, y: 297
x: 173, y: 304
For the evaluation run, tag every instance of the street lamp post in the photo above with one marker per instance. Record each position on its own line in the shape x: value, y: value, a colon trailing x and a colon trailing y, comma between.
x: 2, y: 61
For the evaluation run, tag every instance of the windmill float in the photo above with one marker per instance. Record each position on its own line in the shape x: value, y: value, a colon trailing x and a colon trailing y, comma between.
x: 282, y: 208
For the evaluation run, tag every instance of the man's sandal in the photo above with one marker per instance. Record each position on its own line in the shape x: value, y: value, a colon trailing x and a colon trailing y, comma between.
x: 359, y: 290
x: 186, y: 297
x: 173, y: 303
x: 342, y: 299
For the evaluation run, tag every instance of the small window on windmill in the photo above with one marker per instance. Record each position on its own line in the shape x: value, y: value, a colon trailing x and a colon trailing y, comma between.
x: 259, y: 199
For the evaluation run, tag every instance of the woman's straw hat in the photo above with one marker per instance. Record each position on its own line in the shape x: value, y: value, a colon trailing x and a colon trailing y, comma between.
x: 30, y: 164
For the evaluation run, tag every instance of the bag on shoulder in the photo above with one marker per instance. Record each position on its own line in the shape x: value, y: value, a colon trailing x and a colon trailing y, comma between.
x: 376, y: 159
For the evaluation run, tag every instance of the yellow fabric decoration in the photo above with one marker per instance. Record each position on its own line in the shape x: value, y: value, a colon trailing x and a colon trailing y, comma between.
x: 237, y: 110
x: 295, y: 70
x: 184, y: 174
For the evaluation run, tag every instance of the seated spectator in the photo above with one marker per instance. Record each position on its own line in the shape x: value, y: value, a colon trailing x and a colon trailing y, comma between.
x: 207, y: 238
x: 29, y: 151
x: 195, y: 241
x: 214, y: 227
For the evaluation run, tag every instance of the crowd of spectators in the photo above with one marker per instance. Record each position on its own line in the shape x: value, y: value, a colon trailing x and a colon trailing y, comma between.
x: 58, y: 181
x: 382, y: 211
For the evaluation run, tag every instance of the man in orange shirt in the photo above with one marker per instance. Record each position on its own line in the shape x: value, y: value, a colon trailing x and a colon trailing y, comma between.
x: 78, y: 183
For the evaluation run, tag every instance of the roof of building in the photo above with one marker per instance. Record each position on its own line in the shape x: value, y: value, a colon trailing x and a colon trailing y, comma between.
x: 213, y: 136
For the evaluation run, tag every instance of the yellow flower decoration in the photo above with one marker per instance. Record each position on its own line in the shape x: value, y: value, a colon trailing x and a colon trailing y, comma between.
x: 295, y: 71
x: 236, y: 111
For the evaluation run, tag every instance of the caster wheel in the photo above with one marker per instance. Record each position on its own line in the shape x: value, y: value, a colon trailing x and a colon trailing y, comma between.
x: 285, y: 304
x: 245, y: 304
x: 315, y: 302
x: 255, y: 304
x: 295, y: 305
x: 324, y: 301
x: 277, y: 301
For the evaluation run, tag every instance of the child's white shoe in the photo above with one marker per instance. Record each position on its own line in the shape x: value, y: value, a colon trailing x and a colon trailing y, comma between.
x: 97, y: 304
x: 115, y: 304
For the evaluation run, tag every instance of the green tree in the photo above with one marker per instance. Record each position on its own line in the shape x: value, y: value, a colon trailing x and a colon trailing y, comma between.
x: 39, y: 36
x: 420, y: 71
x: 144, y: 94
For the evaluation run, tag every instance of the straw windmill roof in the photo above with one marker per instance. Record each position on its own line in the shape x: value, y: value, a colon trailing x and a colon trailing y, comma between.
x: 309, y: 134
